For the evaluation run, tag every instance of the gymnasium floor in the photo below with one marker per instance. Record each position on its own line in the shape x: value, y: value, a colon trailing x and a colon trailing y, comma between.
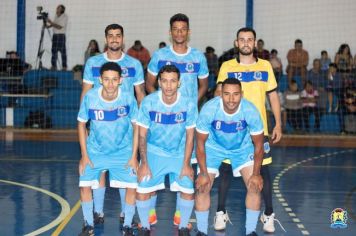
x: 38, y: 188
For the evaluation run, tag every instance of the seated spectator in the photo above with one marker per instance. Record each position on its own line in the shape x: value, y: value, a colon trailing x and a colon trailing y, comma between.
x: 293, y: 105
x: 324, y: 61
x: 260, y: 52
x: 276, y: 64
x: 92, y: 50
x: 297, y: 61
x: 228, y: 55
x: 213, y: 65
x: 315, y: 75
x: 139, y: 52
x: 309, y: 97
x: 162, y: 45
x: 334, y: 87
x: 343, y: 59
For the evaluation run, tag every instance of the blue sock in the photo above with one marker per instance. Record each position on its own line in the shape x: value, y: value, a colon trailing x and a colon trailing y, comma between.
x: 87, y: 208
x: 251, y: 220
x: 129, y: 213
x: 98, y: 198
x: 143, y: 208
x: 178, y: 203
x: 186, y: 208
x: 153, y: 201
x: 202, y: 221
x: 122, y: 198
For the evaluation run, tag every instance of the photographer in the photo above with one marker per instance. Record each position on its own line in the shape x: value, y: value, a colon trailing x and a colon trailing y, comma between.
x: 59, y: 25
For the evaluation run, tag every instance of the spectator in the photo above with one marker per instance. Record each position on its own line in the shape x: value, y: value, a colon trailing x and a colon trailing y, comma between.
x: 213, y: 66
x: 293, y: 105
x: 343, y: 59
x: 260, y: 52
x: 334, y: 87
x: 310, y: 97
x: 228, y: 55
x: 276, y: 64
x: 350, y: 110
x: 297, y: 61
x: 59, y: 25
x: 162, y: 45
x: 325, y: 61
x: 92, y: 50
x: 139, y: 52
x: 315, y: 75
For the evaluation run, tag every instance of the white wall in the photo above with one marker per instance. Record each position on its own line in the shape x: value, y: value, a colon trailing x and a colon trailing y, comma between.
x: 213, y: 23
x: 321, y: 24
x: 8, y: 21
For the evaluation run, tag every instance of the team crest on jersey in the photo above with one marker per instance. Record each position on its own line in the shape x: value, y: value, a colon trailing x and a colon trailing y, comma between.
x: 257, y: 75
x: 189, y: 67
x: 338, y: 218
x: 124, y: 72
x: 121, y: 111
x: 266, y: 147
x: 250, y: 156
x: 239, y: 125
x: 179, y: 117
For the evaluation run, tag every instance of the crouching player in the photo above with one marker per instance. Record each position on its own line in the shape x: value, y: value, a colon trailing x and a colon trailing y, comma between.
x: 166, y: 124
x: 111, y: 144
x: 229, y: 127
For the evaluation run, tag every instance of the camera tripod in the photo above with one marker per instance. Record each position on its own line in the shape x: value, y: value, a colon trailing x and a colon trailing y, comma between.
x: 40, y: 46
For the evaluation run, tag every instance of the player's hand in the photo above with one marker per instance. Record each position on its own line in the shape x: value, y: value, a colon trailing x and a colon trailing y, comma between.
x: 188, y: 171
x: 143, y: 173
x: 255, y: 183
x: 276, y: 134
x: 84, y: 161
x: 133, y: 164
x: 202, y: 183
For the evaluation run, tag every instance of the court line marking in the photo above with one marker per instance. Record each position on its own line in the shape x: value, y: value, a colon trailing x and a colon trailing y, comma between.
x: 279, y: 195
x: 64, y: 223
x: 65, y: 208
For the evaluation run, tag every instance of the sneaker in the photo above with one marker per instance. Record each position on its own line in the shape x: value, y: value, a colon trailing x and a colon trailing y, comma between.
x: 183, y: 232
x: 201, y: 234
x: 127, y: 231
x: 98, y: 218
x: 144, y: 232
x: 176, y: 218
x: 220, y: 220
x: 152, y: 218
x: 268, y: 223
x: 87, y: 230
x: 252, y: 234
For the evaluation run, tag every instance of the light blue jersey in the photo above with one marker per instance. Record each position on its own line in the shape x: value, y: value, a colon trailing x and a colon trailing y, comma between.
x: 192, y: 65
x: 111, y: 131
x: 132, y: 72
x: 229, y: 132
x: 167, y: 124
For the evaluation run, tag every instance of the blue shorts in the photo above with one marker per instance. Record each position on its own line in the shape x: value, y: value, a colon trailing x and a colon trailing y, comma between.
x: 160, y: 166
x: 119, y: 175
x: 239, y: 159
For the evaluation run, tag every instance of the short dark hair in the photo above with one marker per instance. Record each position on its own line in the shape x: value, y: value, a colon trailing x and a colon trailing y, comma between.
x: 114, y: 27
x: 63, y: 8
x: 324, y: 52
x: 162, y: 44
x: 168, y: 69
x: 274, y: 51
x: 298, y: 41
x: 110, y: 66
x: 333, y: 65
x: 179, y: 17
x: 209, y: 49
x: 231, y: 81
x: 261, y: 41
x: 246, y: 29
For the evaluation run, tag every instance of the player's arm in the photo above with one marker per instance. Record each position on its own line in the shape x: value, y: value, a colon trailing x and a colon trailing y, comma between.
x: 82, y: 134
x: 202, y: 182
x: 150, y: 83
x: 203, y: 88
x: 140, y: 92
x: 187, y: 169
x: 255, y: 181
x: 276, y: 109
x: 85, y: 88
x: 143, y: 170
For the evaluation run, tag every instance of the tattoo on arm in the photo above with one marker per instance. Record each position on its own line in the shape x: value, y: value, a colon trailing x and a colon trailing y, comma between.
x: 143, y: 148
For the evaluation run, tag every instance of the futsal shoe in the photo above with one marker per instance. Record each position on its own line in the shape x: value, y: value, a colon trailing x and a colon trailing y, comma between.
x: 268, y: 223
x: 152, y: 218
x: 252, y: 234
x: 98, y: 219
x: 87, y: 230
x: 127, y: 231
x: 201, y: 234
x: 144, y: 232
x: 220, y: 220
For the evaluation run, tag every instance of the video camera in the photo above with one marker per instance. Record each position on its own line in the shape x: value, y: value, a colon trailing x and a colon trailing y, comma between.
x: 41, y: 14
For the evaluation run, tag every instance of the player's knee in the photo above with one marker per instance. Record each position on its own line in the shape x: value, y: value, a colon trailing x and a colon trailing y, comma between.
x: 142, y: 196
x: 187, y: 196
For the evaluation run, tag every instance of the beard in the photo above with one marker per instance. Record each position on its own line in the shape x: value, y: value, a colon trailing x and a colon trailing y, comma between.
x: 245, y: 52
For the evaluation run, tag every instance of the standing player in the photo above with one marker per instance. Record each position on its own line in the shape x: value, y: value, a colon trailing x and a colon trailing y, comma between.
x: 166, y: 123
x: 229, y: 127
x: 257, y: 79
x: 111, y: 144
x: 132, y: 80
x: 192, y: 66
